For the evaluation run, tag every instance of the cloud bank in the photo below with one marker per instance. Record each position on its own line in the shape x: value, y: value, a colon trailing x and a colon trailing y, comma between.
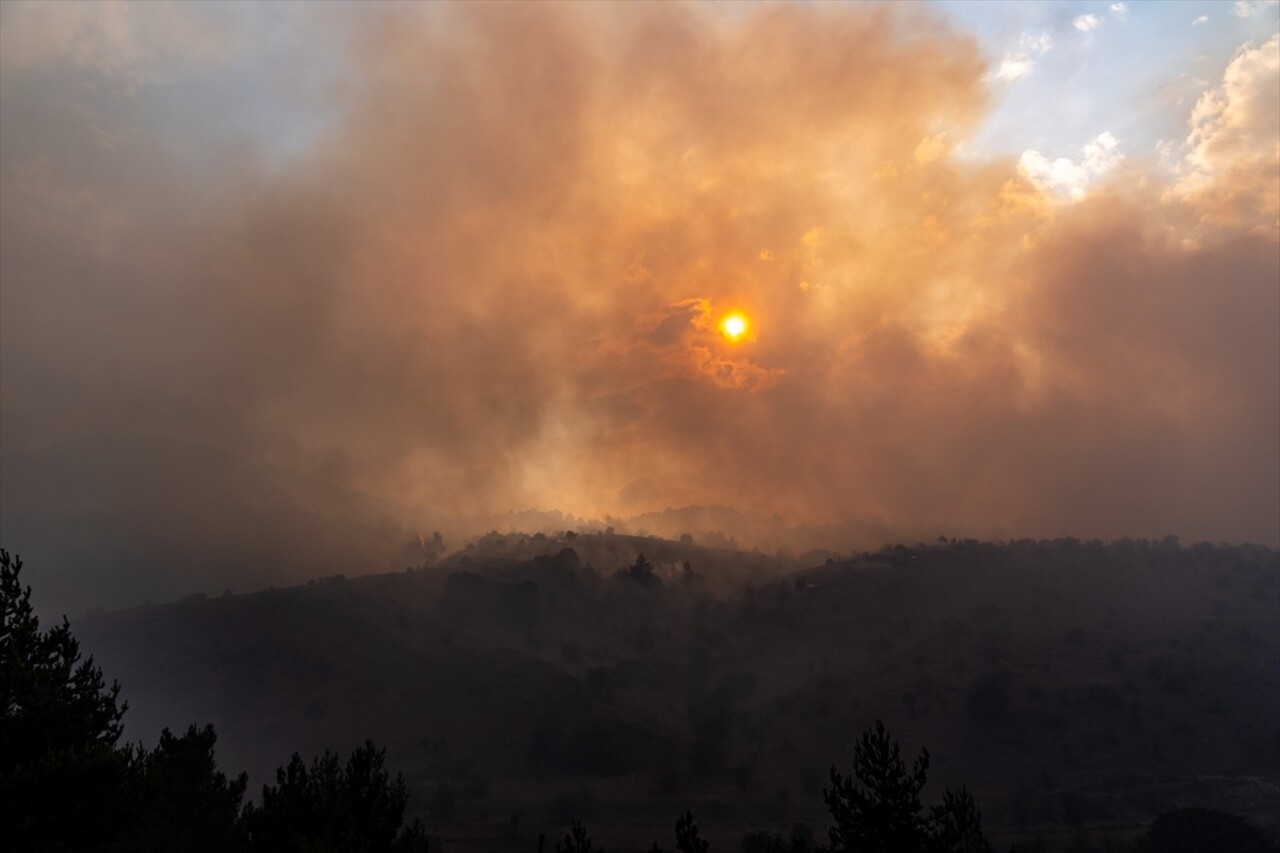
x: 489, y: 276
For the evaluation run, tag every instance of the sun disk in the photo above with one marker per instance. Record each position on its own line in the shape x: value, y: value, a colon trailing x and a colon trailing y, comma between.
x: 733, y: 326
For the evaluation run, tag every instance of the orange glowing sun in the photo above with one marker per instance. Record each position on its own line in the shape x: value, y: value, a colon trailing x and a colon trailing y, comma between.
x: 733, y: 326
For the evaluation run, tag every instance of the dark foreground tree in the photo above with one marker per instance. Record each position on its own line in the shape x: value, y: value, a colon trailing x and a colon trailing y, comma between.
x: 63, y: 783
x: 66, y: 784
x: 576, y: 840
x: 877, y: 808
x: 687, y: 839
x: 351, y: 808
x: 184, y: 803
x: 955, y: 824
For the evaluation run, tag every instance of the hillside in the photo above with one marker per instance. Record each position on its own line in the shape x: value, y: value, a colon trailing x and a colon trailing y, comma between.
x: 525, y: 681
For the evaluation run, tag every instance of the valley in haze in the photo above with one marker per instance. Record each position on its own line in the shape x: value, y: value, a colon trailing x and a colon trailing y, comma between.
x: 1078, y: 689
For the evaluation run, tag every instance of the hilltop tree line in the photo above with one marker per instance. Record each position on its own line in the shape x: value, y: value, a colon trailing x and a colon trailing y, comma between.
x: 67, y: 783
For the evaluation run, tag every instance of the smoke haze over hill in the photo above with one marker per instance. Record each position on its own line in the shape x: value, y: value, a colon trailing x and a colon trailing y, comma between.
x: 282, y: 286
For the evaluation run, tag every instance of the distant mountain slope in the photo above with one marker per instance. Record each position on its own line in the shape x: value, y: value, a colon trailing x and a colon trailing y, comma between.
x: 327, y: 665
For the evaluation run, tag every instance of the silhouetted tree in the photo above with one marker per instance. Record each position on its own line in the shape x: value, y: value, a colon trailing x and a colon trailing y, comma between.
x: 641, y: 572
x: 877, y: 808
x: 956, y: 824
x: 576, y: 840
x: 63, y: 783
x: 434, y: 547
x: 356, y: 808
x: 185, y: 804
x: 687, y: 840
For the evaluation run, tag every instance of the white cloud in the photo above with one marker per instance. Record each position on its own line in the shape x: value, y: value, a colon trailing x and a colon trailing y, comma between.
x: 1234, y: 128
x: 1085, y: 23
x: 1072, y: 178
x: 1120, y: 10
x: 1015, y: 66
x: 1249, y: 8
x: 1039, y: 42
x: 1203, y: 19
x: 1102, y: 154
x: 1020, y: 62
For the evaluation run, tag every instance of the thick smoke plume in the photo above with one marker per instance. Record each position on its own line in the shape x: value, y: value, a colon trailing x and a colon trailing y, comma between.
x: 482, y: 268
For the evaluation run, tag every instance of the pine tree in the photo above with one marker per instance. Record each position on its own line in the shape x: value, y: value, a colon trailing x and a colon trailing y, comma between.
x: 956, y: 825
x: 877, y: 809
x: 185, y: 804
x: 576, y: 840
x: 329, y: 806
x: 687, y: 840
x: 63, y: 783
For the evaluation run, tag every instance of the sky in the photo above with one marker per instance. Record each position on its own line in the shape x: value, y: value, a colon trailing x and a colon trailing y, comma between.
x: 283, y: 285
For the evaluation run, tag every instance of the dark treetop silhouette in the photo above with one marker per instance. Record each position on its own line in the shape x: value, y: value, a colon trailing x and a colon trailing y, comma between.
x: 67, y: 785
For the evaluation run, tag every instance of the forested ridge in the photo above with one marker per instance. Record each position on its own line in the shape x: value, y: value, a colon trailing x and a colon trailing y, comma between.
x: 618, y: 643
